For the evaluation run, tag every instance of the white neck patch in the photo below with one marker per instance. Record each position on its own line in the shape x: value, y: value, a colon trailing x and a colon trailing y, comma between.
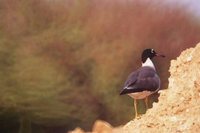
x: 149, y: 63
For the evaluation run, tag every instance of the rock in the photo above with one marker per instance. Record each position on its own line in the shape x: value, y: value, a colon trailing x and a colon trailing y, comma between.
x: 77, y: 130
x: 102, y: 127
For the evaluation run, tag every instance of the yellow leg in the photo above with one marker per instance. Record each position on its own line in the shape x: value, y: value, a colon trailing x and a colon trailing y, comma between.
x: 135, y: 107
x: 146, y: 103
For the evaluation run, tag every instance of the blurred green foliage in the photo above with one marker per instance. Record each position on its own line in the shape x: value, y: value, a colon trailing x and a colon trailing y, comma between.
x: 62, y: 64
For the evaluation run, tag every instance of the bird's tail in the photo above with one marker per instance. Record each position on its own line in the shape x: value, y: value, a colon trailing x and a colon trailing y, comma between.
x: 126, y: 90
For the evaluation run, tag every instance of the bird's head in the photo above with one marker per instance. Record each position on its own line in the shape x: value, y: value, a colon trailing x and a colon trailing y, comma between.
x: 150, y: 53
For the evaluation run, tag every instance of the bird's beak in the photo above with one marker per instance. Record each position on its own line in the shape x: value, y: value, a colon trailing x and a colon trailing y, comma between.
x: 160, y: 55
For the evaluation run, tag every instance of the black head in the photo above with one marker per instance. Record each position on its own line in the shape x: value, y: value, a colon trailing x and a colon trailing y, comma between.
x: 149, y: 53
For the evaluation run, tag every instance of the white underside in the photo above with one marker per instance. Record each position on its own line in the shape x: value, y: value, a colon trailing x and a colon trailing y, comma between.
x: 140, y: 95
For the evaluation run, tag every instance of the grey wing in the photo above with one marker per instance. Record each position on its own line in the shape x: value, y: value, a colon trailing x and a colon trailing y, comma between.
x: 131, y: 80
x: 149, y: 83
x: 143, y: 79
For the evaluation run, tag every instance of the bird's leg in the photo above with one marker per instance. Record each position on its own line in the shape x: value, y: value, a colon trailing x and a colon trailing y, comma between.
x: 146, y: 103
x: 135, y: 107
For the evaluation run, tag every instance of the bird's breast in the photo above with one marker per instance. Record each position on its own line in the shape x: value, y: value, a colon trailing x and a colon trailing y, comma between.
x: 140, y: 95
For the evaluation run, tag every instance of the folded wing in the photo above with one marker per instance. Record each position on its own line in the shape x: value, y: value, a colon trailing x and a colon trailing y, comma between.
x: 144, y: 79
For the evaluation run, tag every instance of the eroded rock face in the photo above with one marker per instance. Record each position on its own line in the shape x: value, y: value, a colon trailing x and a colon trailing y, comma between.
x: 178, y: 109
x: 102, y: 127
x: 98, y: 127
x: 77, y: 130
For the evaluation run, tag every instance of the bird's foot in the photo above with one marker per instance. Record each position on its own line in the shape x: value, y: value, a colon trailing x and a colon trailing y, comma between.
x: 137, y: 117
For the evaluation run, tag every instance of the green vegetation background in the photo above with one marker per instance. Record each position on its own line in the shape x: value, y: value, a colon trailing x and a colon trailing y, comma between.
x: 63, y: 63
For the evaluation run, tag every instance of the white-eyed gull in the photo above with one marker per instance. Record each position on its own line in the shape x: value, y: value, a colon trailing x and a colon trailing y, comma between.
x: 144, y: 81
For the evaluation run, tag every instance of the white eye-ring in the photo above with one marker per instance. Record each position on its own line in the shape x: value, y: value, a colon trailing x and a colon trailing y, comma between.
x: 152, y: 51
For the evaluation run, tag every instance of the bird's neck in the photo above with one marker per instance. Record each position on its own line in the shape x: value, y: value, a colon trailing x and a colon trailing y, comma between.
x: 148, y: 63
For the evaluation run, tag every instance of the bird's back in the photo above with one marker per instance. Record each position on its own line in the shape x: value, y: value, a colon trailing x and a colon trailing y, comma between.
x: 143, y: 79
